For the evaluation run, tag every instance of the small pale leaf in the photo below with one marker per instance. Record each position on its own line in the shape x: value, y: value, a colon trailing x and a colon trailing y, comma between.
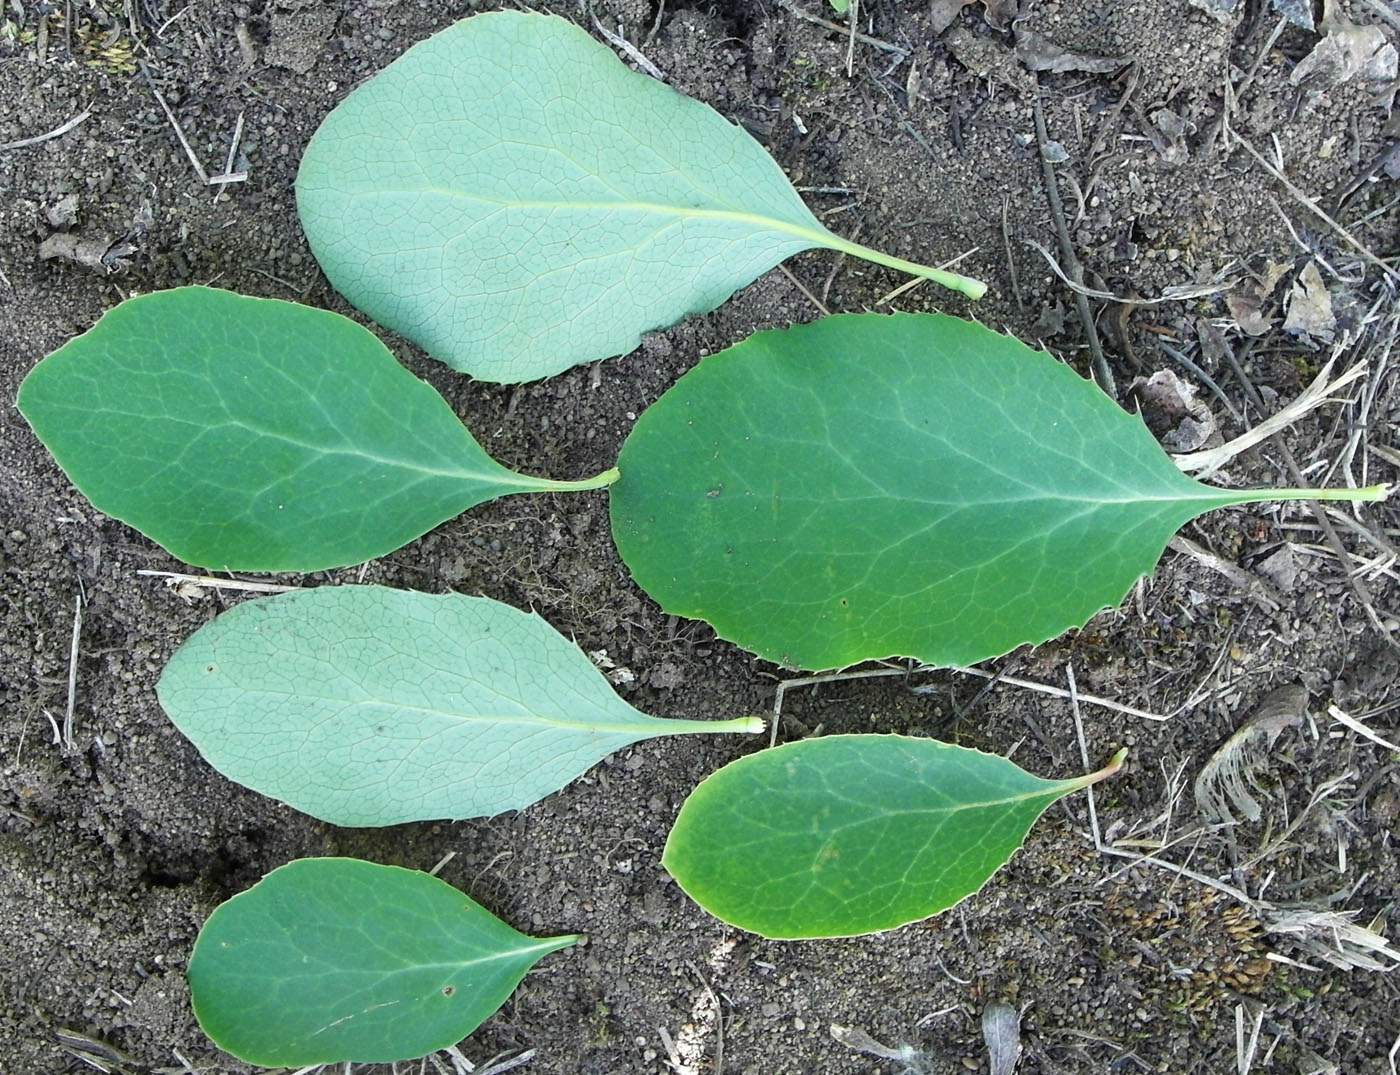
x: 257, y: 435
x: 362, y: 705
x: 851, y: 834
x: 916, y: 485
x: 513, y: 198
x: 329, y: 960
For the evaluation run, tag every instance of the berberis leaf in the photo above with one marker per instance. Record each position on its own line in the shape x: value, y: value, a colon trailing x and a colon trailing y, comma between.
x: 914, y: 485
x: 331, y: 959
x: 362, y: 705
x: 259, y: 435
x: 851, y: 834
x: 513, y: 198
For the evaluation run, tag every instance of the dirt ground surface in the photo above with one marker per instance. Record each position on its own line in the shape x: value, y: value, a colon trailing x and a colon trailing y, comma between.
x: 1192, y: 145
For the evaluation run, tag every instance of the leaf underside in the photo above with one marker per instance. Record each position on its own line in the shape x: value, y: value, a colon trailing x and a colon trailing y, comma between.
x: 255, y: 434
x: 362, y: 705
x: 913, y: 485
x: 511, y: 197
x: 851, y: 834
x: 330, y: 959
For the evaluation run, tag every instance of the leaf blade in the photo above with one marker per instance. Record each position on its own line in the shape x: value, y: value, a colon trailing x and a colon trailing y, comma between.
x: 328, y: 960
x: 852, y: 834
x: 517, y: 225
x: 959, y: 495
x: 362, y: 705
x: 255, y: 434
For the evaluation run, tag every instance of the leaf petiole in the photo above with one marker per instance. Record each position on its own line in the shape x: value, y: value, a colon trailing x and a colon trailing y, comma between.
x: 965, y: 285
x: 598, y: 481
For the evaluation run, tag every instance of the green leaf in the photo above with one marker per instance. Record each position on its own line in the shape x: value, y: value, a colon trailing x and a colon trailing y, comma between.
x: 362, y: 705
x: 332, y: 959
x: 851, y: 834
x: 513, y: 198
x: 257, y: 435
x: 915, y: 485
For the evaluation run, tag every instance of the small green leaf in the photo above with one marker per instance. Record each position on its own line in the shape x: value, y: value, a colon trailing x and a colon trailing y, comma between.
x: 362, y: 705
x: 915, y: 485
x: 257, y: 435
x: 851, y: 834
x: 513, y: 198
x: 328, y: 960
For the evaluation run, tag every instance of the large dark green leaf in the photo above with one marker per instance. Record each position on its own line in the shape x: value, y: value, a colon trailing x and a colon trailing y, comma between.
x: 259, y: 435
x: 330, y: 959
x: 514, y: 199
x: 851, y: 834
x: 916, y: 485
x: 363, y: 705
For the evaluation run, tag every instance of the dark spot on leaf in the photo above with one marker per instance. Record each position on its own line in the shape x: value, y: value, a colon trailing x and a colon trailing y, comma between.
x: 211, y: 668
x: 448, y: 990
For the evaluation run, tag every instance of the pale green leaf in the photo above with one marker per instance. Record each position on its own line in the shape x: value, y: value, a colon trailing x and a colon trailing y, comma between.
x: 915, y: 485
x: 362, y: 705
x: 517, y: 201
x: 331, y: 959
x: 851, y: 834
x: 258, y: 435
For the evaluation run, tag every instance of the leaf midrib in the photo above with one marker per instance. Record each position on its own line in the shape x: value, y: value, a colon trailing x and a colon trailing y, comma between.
x: 634, y: 727
x: 817, y: 236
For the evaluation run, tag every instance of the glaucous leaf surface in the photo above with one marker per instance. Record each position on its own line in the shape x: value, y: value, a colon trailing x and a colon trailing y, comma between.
x: 255, y: 434
x: 328, y: 960
x: 513, y: 198
x: 851, y: 834
x: 362, y: 705
x: 913, y: 485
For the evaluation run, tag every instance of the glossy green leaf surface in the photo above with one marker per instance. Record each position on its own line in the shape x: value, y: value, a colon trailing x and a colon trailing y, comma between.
x: 332, y: 959
x: 851, y: 834
x: 254, y: 434
x: 362, y: 705
x: 914, y: 485
x: 514, y: 199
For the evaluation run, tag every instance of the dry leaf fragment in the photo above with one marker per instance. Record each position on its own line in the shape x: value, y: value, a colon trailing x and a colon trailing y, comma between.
x: 1225, y: 780
x: 1220, y: 10
x: 1246, y: 308
x: 1173, y: 412
x: 1298, y: 12
x: 914, y: 1060
x: 1310, y: 306
x: 1001, y: 1029
x: 999, y: 13
x: 101, y: 255
x: 1039, y: 53
x: 945, y: 12
x: 1348, y: 51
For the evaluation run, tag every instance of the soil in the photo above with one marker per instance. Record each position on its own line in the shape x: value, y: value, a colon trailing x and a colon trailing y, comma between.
x: 114, y: 851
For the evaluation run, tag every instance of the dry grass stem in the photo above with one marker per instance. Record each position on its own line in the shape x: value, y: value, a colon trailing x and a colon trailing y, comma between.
x: 175, y: 578
x: 57, y: 132
x: 73, y: 672
x: 1348, y: 721
x: 1320, y: 391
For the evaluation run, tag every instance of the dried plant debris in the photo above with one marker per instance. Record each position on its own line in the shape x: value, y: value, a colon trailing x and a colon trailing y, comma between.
x: 914, y: 1061
x: 1223, y: 788
x: 1310, y: 306
x: 1220, y: 10
x: 999, y: 13
x: 1298, y: 12
x: 1347, y: 52
x: 1334, y: 937
x: 1039, y: 53
x: 1174, y: 412
x: 1001, y: 1030
x: 1248, y: 302
x: 1197, y: 945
